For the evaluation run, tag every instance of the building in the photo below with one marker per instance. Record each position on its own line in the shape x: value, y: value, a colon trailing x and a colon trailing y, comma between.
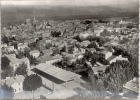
x: 96, y: 70
x: 9, y: 48
x: 106, y: 54
x: 132, y: 86
x: 51, y: 59
x: 35, y: 53
x: 22, y: 47
x: 15, y: 62
x: 16, y: 83
x: 115, y: 58
x: 3, y: 45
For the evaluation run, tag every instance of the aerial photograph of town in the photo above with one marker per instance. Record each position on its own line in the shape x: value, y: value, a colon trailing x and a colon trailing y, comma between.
x: 69, y: 49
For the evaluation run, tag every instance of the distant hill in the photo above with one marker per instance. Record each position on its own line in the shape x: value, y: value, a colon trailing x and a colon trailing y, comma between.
x: 14, y: 13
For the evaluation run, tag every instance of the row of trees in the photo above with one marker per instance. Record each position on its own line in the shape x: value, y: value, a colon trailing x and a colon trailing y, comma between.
x: 117, y: 74
x: 55, y: 33
x: 100, y: 40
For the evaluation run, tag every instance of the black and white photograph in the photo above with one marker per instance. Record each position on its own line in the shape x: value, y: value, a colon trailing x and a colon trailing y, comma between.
x: 69, y: 49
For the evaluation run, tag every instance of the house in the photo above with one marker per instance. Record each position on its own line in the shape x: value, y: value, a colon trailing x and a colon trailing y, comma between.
x: 35, y: 53
x: 22, y: 47
x: 16, y: 83
x: 15, y: 62
x: 124, y: 22
x: 9, y: 48
x: 96, y: 70
x: 132, y: 86
x: 51, y: 59
x: 106, y: 54
x: 98, y: 31
x: 115, y: 58
x: 3, y: 45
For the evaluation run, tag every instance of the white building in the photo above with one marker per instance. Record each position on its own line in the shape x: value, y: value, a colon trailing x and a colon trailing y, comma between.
x: 14, y: 62
x: 106, y: 54
x: 16, y: 83
x: 115, y: 58
x: 35, y: 53
x: 3, y: 45
x: 9, y: 48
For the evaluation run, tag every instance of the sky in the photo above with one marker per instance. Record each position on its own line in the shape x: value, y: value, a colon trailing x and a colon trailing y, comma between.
x: 68, y: 2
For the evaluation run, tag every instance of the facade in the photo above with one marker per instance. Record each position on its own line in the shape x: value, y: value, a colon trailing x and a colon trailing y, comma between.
x: 106, y: 54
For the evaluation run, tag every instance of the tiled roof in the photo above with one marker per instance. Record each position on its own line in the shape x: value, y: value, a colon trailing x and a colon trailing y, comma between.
x: 99, y: 68
x: 16, y: 79
x: 48, y: 57
x: 14, y: 60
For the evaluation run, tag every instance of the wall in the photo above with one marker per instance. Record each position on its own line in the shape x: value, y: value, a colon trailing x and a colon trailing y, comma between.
x: 18, y: 87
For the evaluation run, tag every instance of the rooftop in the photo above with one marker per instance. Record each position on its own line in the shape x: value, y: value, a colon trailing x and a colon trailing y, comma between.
x: 48, y: 57
x: 111, y: 58
x: 132, y: 85
x: 14, y: 60
x: 99, y: 68
x: 16, y: 79
x: 57, y: 72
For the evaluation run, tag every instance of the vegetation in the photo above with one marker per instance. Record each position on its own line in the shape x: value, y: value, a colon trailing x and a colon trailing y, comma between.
x: 5, y: 40
x: 21, y: 70
x: 15, y: 45
x: 32, y: 59
x: 55, y: 51
x: 32, y: 82
x: 93, y: 44
x: 48, y: 45
x: 7, y: 69
x: 55, y: 33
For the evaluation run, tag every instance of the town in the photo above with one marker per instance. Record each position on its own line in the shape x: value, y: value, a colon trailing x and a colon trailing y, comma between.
x: 75, y: 58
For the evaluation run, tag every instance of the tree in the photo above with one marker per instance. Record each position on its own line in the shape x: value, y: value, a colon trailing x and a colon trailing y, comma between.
x: 55, y: 33
x: 5, y: 62
x: 48, y: 45
x: 5, y: 39
x: 55, y: 51
x: 32, y: 82
x: 6, y: 92
x: 8, y: 71
x: 63, y: 49
x: 78, y: 38
x: 15, y: 45
x: 21, y: 70
x: 93, y: 44
x: 20, y: 54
